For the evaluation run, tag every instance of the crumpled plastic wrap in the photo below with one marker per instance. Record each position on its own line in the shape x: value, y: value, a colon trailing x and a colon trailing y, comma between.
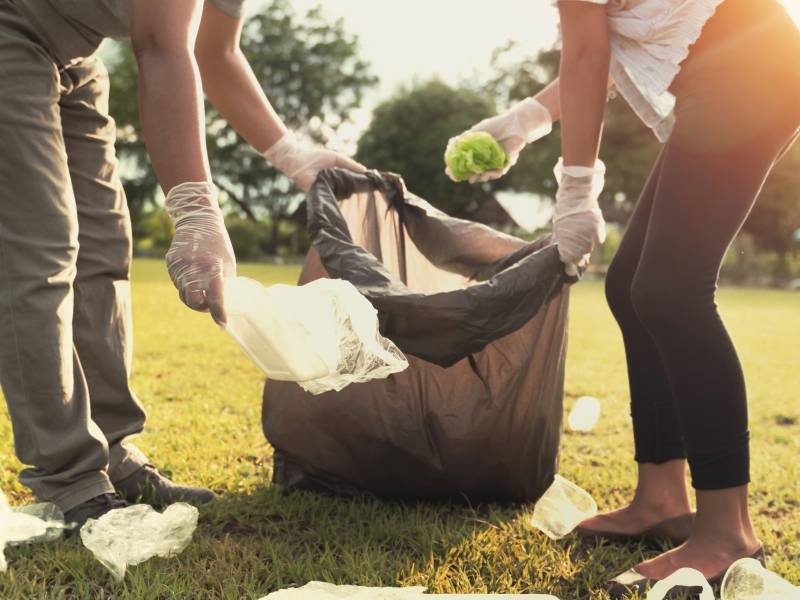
x: 562, y: 508
x: 318, y: 590
x: 747, y: 579
x: 474, y: 153
x: 27, y: 525
x: 323, y: 335
x: 129, y: 536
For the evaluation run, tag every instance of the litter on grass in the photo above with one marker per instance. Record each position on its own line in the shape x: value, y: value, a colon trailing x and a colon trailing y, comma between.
x: 27, y: 525
x: 747, y: 579
x: 562, y: 508
x: 584, y: 414
x: 318, y: 590
x: 323, y: 335
x: 685, y: 578
x: 129, y: 536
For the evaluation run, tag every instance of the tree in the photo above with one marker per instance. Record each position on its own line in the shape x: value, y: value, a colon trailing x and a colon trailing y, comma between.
x: 409, y: 133
x: 311, y: 71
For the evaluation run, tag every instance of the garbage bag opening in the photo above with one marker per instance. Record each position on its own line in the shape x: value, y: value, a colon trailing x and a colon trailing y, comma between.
x: 481, y: 318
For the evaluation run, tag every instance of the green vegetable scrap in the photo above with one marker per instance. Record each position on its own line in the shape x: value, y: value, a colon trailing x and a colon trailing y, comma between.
x: 474, y: 154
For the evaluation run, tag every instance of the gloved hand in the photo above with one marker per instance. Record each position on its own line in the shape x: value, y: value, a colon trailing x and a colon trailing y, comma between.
x: 200, y: 256
x: 522, y: 124
x: 303, y: 163
x: 578, y: 225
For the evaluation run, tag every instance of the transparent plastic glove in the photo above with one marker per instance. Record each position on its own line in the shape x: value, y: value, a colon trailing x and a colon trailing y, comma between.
x: 200, y: 256
x: 522, y: 124
x: 303, y: 163
x: 578, y: 224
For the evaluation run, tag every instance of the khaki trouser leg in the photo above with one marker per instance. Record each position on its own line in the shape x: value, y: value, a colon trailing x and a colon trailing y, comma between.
x: 41, y: 372
x: 102, y: 318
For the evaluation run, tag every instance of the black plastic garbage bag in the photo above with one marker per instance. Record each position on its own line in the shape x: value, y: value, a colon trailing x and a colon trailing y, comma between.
x: 481, y: 317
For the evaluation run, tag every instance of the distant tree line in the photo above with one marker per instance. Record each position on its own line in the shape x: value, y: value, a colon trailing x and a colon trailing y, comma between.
x: 313, y: 73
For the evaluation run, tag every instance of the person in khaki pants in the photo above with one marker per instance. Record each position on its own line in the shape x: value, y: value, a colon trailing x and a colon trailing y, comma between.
x: 65, y: 233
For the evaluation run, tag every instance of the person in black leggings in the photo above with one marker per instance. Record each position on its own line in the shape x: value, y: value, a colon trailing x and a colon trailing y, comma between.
x: 737, y: 112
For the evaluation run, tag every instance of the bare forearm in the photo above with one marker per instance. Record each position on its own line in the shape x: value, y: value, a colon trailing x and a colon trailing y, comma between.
x: 550, y: 98
x: 584, y: 86
x: 172, y: 115
x: 235, y: 92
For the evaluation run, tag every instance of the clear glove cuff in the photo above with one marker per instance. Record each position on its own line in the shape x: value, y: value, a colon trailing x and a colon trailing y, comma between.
x: 285, y: 155
x: 578, y: 189
x: 533, y: 120
x: 192, y: 199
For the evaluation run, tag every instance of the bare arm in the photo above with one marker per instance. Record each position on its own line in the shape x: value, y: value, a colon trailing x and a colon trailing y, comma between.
x: 550, y: 98
x: 170, y: 97
x: 230, y: 83
x: 583, y: 80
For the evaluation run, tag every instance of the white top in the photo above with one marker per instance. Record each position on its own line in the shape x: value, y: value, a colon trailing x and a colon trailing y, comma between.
x: 649, y: 41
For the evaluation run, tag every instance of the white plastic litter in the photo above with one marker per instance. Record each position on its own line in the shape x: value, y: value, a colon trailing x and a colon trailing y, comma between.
x: 323, y: 335
x: 747, y: 579
x: 561, y: 509
x: 129, y: 536
x: 27, y: 524
x: 318, y: 590
x: 684, y: 578
x: 584, y: 414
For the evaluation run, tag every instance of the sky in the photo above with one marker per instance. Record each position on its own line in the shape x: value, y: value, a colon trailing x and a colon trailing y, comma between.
x: 422, y: 38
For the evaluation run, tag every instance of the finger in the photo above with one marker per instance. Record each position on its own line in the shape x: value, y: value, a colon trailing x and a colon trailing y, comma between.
x: 196, y: 298
x: 488, y: 176
x: 215, y: 297
x: 349, y: 164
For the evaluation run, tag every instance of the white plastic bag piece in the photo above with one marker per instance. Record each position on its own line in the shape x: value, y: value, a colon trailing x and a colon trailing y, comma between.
x: 747, y: 579
x: 684, y: 578
x: 562, y: 508
x: 318, y: 590
x: 323, y: 335
x: 27, y: 525
x: 129, y: 536
x: 584, y: 414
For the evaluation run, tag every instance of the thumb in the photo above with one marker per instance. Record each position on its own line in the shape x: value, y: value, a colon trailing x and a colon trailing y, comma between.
x: 349, y: 164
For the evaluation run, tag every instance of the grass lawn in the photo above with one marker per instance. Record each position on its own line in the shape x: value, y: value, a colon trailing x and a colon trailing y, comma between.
x: 204, y: 401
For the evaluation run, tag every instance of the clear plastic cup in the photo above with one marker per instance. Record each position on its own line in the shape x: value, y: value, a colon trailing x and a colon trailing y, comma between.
x: 561, y: 509
x: 584, y: 414
x: 747, y: 579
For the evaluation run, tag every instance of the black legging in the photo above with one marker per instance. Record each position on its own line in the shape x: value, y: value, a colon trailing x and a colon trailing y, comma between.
x: 738, y: 108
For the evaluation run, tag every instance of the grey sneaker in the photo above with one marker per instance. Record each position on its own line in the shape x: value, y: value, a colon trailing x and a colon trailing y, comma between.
x: 149, y: 486
x: 94, y: 508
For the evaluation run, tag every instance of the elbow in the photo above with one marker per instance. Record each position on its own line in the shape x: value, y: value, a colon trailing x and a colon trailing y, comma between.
x: 217, y: 59
x: 154, y: 47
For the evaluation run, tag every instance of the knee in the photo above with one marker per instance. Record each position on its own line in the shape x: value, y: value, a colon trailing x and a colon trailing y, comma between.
x: 658, y: 301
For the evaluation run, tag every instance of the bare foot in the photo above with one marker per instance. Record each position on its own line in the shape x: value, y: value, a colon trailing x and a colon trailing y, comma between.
x: 635, y: 518
x: 709, y: 556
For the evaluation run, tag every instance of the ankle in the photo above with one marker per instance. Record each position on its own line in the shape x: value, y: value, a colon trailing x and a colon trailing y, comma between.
x: 662, y: 505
